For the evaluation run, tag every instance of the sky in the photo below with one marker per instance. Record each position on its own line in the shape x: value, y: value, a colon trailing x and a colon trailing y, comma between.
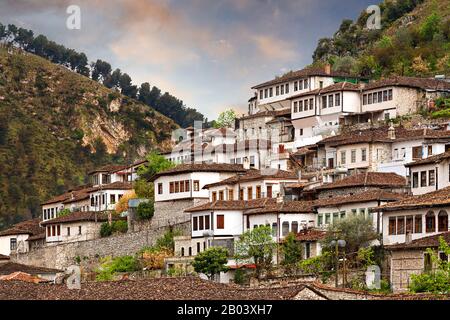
x: 208, y: 53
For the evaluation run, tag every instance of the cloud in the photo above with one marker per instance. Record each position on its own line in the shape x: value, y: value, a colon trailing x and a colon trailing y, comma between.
x: 274, y: 48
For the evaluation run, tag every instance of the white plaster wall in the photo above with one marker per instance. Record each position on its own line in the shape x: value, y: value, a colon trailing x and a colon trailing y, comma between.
x: 232, y: 223
x: 5, y: 243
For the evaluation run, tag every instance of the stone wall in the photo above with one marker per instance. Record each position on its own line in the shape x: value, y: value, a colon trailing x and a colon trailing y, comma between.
x: 63, y: 255
x: 403, y: 264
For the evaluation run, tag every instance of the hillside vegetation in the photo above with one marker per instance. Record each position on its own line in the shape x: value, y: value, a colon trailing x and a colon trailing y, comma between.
x: 414, y: 41
x: 56, y: 125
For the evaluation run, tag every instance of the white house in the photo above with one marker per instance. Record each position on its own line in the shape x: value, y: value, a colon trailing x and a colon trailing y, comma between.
x: 416, y: 217
x: 430, y: 174
x: 15, y: 239
x: 253, y: 184
x: 105, y: 197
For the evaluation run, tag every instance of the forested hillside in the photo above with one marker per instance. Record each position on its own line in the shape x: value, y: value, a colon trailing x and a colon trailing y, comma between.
x: 101, y: 71
x: 414, y: 40
x: 56, y: 125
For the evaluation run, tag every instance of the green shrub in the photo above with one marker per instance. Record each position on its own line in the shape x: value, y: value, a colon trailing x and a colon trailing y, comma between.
x: 441, y: 114
x: 109, y: 267
x: 436, y: 282
x: 105, y: 230
x: 145, y: 210
x: 240, y: 277
x: 119, y: 226
x: 166, y: 241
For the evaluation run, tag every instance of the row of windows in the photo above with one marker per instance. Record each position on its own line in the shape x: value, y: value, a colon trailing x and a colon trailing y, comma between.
x: 53, y: 231
x: 183, y: 252
x: 353, y: 156
x: 100, y: 200
x: 423, y: 179
x: 241, y: 160
x: 327, y: 218
x: 50, y: 213
x: 377, y: 97
x: 332, y: 100
x: 282, y: 89
x: 304, y: 105
x: 180, y: 186
x: 200, y: 223
x: 413, y: 224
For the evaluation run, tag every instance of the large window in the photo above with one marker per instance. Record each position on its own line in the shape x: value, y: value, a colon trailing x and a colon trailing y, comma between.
x: 423, y: 178
x: 196, y: 185
x: 13, y: 244
x: 285, y: 228
x: 364, y: 154
x: 401, y: 225
x: 418, y: 224
x: 195, y: 223
x: 220, y: 221
x: 392, y: 226
x: 343, y: 159
x: 430, y: 221
x: 294, y: 227
x: 249, y: 193
x: 337, y: 99
x: 415, y: 180
x: 353, y: 156
x: 431, y: 178
x: 442, y: 221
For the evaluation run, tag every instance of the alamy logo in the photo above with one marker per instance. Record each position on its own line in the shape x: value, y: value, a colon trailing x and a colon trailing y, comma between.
x: 374, y: 20
x: 73, y: 22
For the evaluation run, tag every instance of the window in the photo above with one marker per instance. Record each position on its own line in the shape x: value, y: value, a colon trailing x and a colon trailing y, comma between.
x: 342, y: 215
x: 295, y: 86
x: 369, y: 98
x: 196, y: 185
x: 401, y: 225
x: 300, y: 131
x: 295, y: 106
x: 418, y: 224
x: 320, y: 84
x: 181, y: 186
x: 68, y: 231
x: 305, y: 84
x: 214, y: 196
x: 285, y: 228
x: 207, y: 226
x: 195, y: 223
x: 343, y: 157
x: 230, y: 194
x: 442, y: 221
x: 354, y: 212
x: 380, y: 96
x: 187, y: 186
x: 415, y: 179
x: 443, y: 256
x: 198, y: 247
x: 324, y: 102
x: 423, y: 178
x: 269, y: 191
x: 319, y: 220
x: 300, y: 106
x: 249, y: 193
x: 13, y: 244
x: 177, y: 186
x: 287, y: 88
x: 274, y: 229
x: 353, y: 156
x: 409, y: 224
x: 220, y: 221
x: 112, y: 198
x: 294, y: 227
x: 221, y: 197
x: 266, y: 93
x: 201, y: 223
x: 49, y: 231
x: 311, y: 104
x: 337, y: 99
x: 431, y: 178
x: 190, y: 251
x: 260, y: 94
x: 390, y: 94
x: 307, y: 250
x: 258, y: 192
x: 53, y: 231
x: 417, y: 153
x: 385, y: 95
x: 79, y: 230
x: 282, y: 89
x: 330, y: 101
x: 58, y: 230
x: 365, y: 99
x: 430, y: 222
x: 171, y: 187
x: 392, y: 226
x: 364, y: 154
x: 270, y: 92
x: 277, y: 90
x: 430, y: 150
x: 327, y: 218
x: 375, y: 97
x: 335, y: 217
x: 241, y: 194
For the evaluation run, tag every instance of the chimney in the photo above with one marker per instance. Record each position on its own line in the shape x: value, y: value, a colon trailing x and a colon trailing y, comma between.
x: 328, y: 68
x: 391, y: 132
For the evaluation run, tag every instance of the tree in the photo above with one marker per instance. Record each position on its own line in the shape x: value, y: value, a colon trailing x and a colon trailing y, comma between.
x: 112, y: 81
x: 226, y: 119
x: 122, y: 204
x: 211, y: 261
x: 126, y: 86
x: 145, y: 210
x: 436, y: 280
x: 292, y: 253
x: 101, y: 70
x: 357, y: 231
x: 257, y: 245
x: 430, y: 26
x: 156, y: 163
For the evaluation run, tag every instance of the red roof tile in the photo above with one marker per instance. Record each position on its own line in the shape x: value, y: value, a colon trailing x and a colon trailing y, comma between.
x: 367, y: 179
x: 221, y: 205
x: 436, y: 198
x: 11, y: 267
x: 283, y: 207
x: 201, y: 167
x: 310, y: 235
x: 430, y: 160
x: 370, y: 195
x: 30, y: 227
x: 422, y: 243
x: 81, y: 216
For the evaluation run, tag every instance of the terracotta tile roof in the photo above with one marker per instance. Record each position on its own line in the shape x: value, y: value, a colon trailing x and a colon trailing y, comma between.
x: 254, y: 175
x: 22, y: 276
x: 283, y: 207
x: 118, y: 185
x: 39, y: 236
x: 11, y: 267
x: 422, y: 243
x: 108, y: 168
x: 436, y: 198
x: 255, y: 144
x: 370, y: 195
x: 3, y: 257
x: 382, y: 135
x: 268, y: 113
x: 411, y: 82
x: 221, y: 205
x: 303, y: 73
x: 367, y: 179
x: 310, y: 235
x: 201, y: 167
x: 30, y: 227
x: 336, y: 87
x: 430, y: 160
x: 80, y: 216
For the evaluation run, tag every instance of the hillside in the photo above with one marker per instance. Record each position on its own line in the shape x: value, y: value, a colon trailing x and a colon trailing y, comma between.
x: 414, y: 41
x: 56, y: 125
